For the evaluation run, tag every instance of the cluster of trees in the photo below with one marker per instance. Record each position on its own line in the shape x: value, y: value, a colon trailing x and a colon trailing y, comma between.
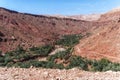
x: 42, y: 51
x: 20, y: 55
x: 27, y: 58
x: 69, y: 40
x: 104, y: 65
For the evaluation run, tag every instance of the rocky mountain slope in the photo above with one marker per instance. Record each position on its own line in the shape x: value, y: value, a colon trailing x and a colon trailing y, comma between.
x: 104, y: 41
x: 29, y: 30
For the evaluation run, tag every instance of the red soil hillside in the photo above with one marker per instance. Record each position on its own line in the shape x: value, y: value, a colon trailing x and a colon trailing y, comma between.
x: 30, y: 30
x: 104, y: 41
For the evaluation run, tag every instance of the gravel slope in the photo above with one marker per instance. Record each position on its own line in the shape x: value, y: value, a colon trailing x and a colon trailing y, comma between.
x: 55, y: 74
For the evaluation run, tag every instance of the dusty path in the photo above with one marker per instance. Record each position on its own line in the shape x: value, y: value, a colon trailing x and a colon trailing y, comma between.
x: 55, y: 74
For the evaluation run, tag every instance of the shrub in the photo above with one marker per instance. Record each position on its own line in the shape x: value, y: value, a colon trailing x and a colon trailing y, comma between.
x: 36, y: 63
x: 76, y: 61
x: 0, y: 53
x: 69, y: 40
x: 14, y: 55
x: 59, y: 66
x: 43, y: 50
x: 7, y: 60
x: 1, y: 59
x: 112, y: 66
x: 100, y: 65
x: 10, y: 64
x: 24, y: 65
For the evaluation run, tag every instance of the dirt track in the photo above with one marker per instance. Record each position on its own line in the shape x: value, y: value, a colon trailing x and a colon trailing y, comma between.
x: 55, y: 74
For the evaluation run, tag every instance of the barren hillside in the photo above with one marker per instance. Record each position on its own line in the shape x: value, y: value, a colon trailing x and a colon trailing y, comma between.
x: 104, y: 41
